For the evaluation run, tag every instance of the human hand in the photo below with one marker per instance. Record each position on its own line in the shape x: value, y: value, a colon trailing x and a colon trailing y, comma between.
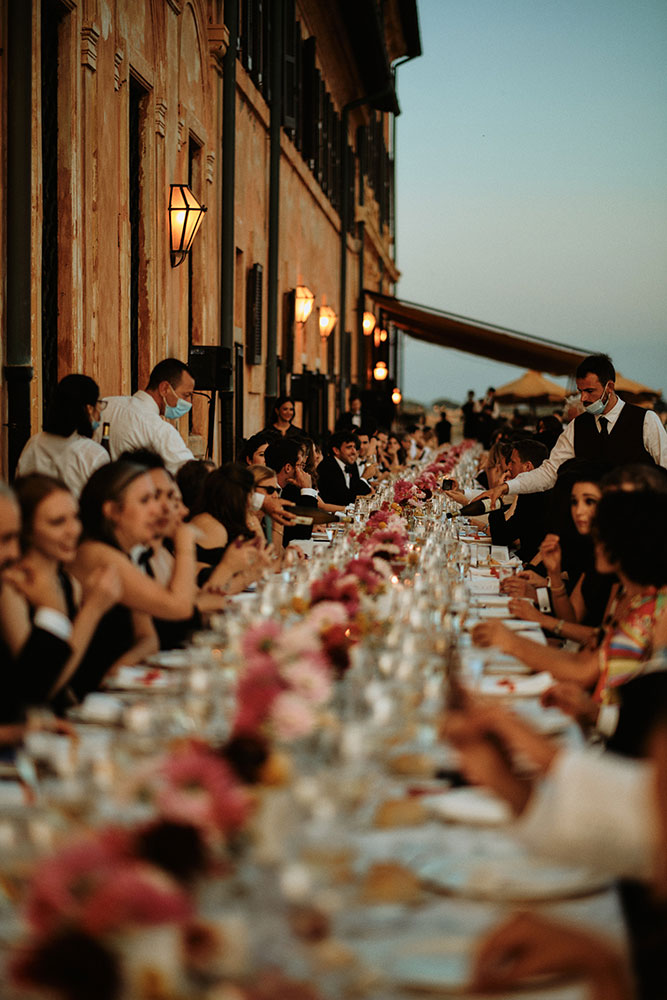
x: 528, y: 945
x: 494, y: 494
x: 185, y: 536
x: 457, y: 497
x: 531, y: 577
x: 551, y: 555
x: 517, y: 586
x: 491, y: 633
x: 302, y: 479
x: 277, y: 509
x: 570, y: 698
x: 524, y: 610
x: 37, y: 585
x: 240, y: 555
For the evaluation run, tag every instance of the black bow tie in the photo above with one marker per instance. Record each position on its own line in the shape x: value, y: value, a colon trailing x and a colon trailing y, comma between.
x: 350, y: 468
x: 144, y: 561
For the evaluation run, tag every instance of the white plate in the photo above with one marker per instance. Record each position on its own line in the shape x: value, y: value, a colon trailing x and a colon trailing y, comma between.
x: 97, y: 707
x: 170, y: 659
x: 513, y: 686
x: 140, y: 679
x: 508, y: 879
x: 473, y: 806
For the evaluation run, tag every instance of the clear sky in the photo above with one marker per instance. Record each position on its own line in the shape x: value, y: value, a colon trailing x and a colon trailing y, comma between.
x: 531, y: 175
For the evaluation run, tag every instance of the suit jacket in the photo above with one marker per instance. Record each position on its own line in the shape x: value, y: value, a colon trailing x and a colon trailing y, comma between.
x: 300, y: 532
x: 527, y: 523
x: 332, y: 486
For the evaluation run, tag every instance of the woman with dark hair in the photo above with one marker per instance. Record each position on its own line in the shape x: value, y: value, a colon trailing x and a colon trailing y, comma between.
x: 120, y: 513
x: 190, y: 479
x: 49, y: 538
x: 282, y: 417
x: 227, y: 545
x: 252, y: 452
x: 580, y: 595
x: 395, y: 455
x: 64, y: 449
x: 630, y: 536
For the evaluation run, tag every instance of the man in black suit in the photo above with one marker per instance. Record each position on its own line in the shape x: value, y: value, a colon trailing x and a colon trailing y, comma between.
x: 28, y: 676
x: 339, y: 481
x: 286, y: 456
x: 526, y: 527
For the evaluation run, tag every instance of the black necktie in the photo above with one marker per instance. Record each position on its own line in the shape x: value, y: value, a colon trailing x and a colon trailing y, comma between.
x: 604, y: 429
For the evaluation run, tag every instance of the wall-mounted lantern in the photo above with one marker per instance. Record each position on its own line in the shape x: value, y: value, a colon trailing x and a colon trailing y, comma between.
x: 396, y: 396
x: 303, y: 303
x: 380, y: 371
x: 368, y: 323
x: 185, y: 218
x: 328, y: 320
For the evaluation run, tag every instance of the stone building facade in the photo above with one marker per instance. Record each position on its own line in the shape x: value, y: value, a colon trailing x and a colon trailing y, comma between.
x: 279, y: 115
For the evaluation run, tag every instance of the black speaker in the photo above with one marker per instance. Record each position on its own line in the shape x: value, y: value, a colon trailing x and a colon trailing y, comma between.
x: 211, y: 367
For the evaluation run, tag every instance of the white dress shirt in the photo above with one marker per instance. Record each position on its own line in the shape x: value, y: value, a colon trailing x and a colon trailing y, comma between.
x: 135, y: 422
x: 344, y: 471
x: 72, y: 459
x: 544, y: 477
x: 597, y: 810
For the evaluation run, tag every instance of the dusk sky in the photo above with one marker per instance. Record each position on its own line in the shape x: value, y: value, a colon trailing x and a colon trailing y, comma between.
x: 531, y: 178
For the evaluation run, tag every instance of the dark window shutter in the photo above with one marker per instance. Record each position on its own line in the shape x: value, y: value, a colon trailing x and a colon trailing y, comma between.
x: 351, y: 182
x: 289, y: 66
x: 254, y: 315
x: 319, y: 125
x: 298, y: 134
x: 289, y: 303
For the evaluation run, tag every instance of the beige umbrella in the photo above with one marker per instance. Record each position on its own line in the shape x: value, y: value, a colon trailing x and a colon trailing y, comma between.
x: 531, y: 387
x: 635, y: 392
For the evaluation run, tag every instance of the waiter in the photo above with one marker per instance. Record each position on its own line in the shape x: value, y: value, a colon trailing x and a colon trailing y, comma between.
x: 608, y: 430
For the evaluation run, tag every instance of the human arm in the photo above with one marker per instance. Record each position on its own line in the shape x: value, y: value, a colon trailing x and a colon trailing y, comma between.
x: 527, y: 611
x: 529, y: 945
x: 145, y: 641
x: 140, y: 592
x: 582, y: 667
x: 277, y: 509
x: 655, y: 438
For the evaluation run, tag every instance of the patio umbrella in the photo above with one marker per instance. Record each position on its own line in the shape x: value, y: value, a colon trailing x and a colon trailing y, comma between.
x: 532, y: 387
x: 635, y: 392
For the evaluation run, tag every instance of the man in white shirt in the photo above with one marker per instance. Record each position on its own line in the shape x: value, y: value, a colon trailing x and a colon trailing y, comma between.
x: 138, y: 421
x: 608, y: 430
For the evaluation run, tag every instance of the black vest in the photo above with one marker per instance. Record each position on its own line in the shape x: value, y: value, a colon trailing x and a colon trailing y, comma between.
x: 623, y: 445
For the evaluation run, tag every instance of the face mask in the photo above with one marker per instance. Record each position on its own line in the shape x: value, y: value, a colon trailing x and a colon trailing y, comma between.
x: 94, y: 424
x: 175, y: 412
x: 256, y: 500
x: 596, y: 408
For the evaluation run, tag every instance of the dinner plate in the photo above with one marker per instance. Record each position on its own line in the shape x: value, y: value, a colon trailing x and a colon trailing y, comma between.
x: 473, y: 806
x: 140, y: 679
x: 515, y: 686
x: 170, y: 659
x: 98, y: 708
x: 508, y: 879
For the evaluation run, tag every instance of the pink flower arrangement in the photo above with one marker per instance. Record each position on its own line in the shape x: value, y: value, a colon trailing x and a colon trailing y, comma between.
x: 198, y: 788
x: 337, y: 586
x: 369, y: 579
x: 387, y: 541
x: 96, y: 885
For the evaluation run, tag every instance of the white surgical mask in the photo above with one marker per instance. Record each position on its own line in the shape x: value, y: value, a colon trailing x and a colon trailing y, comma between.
x: 596, y: 408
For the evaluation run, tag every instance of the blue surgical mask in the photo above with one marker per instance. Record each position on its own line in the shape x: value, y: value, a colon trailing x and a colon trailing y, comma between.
x: 176, y: 412
x: 94, y: 424
x: 596, y: 408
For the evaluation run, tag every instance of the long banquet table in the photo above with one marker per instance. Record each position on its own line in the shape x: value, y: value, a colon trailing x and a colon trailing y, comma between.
x: 362, y: 873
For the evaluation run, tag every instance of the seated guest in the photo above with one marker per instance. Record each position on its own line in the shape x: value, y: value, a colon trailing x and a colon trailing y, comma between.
x: 288, y: 459
x: 30, y: 674
x: 630, y: 534
x: 580, y: 601
x: 352, y: 419
x: 266, y: 484
x: 525, y: 528
x: 282, y: 417
x: 49, y: 538
x: 395, y: 458
x: 64, y: 449
x: 119, y: 513
x: 142, y: 420
x: 443, y: 429
x: 339, y: 479
x: 227, y: 546
x: 366, y: 459
x: 190, y: 479
x: 254, y: 448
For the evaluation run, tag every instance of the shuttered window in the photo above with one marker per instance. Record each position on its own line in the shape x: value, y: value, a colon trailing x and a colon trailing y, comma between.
x: 254, y: 315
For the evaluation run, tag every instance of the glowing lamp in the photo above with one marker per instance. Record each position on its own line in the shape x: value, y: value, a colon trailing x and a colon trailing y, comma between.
x: 303, y: 303
x: 380, y: 371
x: 383, y: 336
x: 368, y: 323
x: 185, y: 218
x: 328, y: 320
x: 396, y: 396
